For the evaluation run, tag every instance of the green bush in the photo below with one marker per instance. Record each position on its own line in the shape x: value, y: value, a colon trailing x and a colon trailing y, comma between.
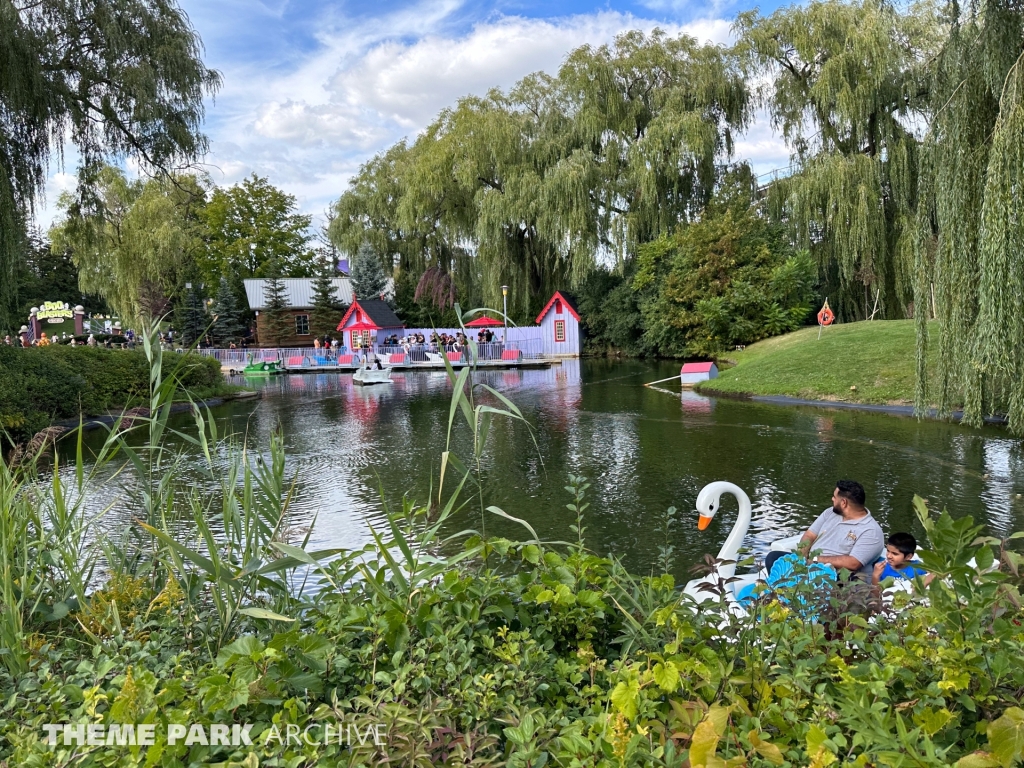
x: 730, y: 279
x: 41, y: 385
x: 609, y: 313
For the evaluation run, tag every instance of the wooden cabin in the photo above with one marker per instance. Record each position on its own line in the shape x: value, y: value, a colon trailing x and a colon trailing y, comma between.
x: 299, y: 295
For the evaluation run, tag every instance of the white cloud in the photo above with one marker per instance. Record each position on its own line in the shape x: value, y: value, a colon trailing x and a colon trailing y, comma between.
x: 765, y: 149
x: 307, y: 117
x: 370, y: 84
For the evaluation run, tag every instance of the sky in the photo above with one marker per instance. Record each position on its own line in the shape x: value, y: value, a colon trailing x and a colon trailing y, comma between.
x: 313, y: 89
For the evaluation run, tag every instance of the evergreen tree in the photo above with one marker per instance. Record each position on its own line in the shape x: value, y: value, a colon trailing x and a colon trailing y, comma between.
x: 367, y: 274
x: 190, y: 317
x: 228, y: 324
x: 326, y: 305
x: 277, y: 324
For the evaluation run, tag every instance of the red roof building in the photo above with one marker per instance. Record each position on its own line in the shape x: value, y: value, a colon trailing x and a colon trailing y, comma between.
x: 559, y: 321
x: 366, y: 319
x: 691, y: 373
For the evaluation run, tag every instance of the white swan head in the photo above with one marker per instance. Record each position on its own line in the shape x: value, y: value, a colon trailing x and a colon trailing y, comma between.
x: 709, y: 501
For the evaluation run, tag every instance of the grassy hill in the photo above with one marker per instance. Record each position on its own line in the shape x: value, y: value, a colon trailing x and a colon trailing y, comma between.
x: 876, y: 357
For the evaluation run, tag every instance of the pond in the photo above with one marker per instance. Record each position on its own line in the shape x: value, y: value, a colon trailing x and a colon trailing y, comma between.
x: 354, y: 449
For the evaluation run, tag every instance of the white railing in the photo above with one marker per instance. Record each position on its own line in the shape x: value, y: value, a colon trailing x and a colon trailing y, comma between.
x: 415, y: 353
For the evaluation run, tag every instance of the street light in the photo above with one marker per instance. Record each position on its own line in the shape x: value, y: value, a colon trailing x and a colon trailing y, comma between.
x: 504, y: 305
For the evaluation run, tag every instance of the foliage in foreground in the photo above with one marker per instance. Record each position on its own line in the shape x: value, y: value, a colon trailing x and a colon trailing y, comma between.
x: 465, y: 650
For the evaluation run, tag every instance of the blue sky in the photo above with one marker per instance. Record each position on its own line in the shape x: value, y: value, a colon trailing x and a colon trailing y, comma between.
x: 312, y: 89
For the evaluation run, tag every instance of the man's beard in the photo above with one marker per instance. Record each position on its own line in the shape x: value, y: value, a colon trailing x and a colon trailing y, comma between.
x: 837, y: 510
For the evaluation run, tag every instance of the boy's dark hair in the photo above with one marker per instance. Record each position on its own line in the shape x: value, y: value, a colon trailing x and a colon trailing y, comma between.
x: 904, y: 542
x: 852, y: 490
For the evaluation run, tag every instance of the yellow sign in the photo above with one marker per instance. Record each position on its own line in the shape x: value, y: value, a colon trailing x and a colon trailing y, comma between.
x: 55, y: 312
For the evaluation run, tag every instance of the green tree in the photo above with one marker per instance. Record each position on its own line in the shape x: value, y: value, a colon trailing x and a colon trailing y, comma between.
x: 609, y: 312
x: 190, y: 316
x: 327, y: 307
x: 135, y: 240
x: 252, y: 225
x: 367, y: 274
x: 525, y: 187
x: 113, y: 77
x: 48, y: 274
x: 228, y: 325
x: 731, y: 278
x: 970, y: 248
x: 277, y: 320
x: 847, y: 82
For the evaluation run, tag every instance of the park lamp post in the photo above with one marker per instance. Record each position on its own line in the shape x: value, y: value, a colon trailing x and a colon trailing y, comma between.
x: 504, y: 306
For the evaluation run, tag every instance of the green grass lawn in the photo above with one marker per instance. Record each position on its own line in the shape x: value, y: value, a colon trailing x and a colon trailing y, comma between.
x: 876, y: 357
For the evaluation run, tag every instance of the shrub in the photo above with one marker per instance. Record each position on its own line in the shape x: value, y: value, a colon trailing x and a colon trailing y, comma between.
x: 609, y: 312
x: 729, y: 279
x: 466, y: 650
x: 41, y: 385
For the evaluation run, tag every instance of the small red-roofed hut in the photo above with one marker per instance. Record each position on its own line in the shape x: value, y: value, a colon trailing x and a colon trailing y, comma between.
x: 559, y: 323
x: 695, y: 372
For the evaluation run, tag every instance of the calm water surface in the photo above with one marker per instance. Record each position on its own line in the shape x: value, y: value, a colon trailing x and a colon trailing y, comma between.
x: 353, y: 449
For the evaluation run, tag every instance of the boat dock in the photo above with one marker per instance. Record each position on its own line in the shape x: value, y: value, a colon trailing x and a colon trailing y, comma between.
x: 235, y: 368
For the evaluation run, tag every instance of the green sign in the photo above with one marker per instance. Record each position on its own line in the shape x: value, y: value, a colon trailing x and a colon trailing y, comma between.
x: 55, y: 312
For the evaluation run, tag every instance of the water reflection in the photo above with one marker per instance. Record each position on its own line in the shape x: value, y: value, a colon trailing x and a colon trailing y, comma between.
x: 354, y: 450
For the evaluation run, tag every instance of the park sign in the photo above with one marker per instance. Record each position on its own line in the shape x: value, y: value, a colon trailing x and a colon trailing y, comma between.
x: 55, y: 312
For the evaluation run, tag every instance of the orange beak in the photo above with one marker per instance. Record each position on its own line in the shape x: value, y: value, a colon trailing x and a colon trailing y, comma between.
x: 703, y: 522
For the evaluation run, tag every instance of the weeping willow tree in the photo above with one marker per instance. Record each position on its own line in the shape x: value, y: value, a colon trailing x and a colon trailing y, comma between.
x: 970, y: 238
x: 847, y: 85
x: 527, y: 187
x: 133, y: 240
x: 113, y: 77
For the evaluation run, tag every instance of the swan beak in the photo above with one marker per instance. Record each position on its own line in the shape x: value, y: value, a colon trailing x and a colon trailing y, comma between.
x: 703, y: 522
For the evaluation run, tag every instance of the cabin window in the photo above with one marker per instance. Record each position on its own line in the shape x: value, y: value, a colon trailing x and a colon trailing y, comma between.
x: 559, y: 330
x: 302, y: 325
x: 558, y: 306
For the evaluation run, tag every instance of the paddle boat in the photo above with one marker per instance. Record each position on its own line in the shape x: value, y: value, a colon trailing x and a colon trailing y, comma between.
x: 262, y: 368
x: 367, y: 375
x: 709, y: 501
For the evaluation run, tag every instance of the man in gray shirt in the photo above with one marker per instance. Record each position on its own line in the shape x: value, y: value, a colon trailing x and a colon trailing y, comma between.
x: 845, y: 536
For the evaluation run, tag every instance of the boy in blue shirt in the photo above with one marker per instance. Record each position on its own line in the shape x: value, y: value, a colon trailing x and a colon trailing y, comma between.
x: 899, y: 549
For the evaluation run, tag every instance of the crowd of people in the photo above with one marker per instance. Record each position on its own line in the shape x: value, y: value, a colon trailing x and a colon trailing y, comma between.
x: 127, y: 341
x: 324, y: 346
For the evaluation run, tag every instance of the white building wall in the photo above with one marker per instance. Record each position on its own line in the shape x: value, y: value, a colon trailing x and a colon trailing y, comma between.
x: 571, y: 346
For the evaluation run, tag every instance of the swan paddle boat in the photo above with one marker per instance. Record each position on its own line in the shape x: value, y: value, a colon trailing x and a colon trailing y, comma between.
x: 709, y: 501
x: 367, y: 375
